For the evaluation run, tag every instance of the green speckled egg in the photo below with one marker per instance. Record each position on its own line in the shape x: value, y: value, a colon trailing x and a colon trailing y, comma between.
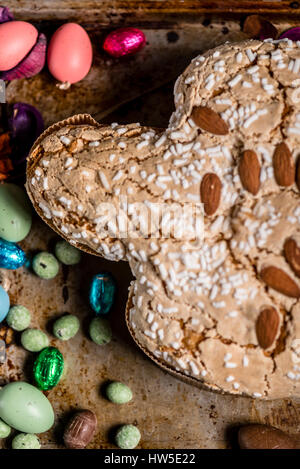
x: 127, y: 437
x: 15, y: 213
x: 25, y: 408
x: 118, y: 393
x: 26, y: 441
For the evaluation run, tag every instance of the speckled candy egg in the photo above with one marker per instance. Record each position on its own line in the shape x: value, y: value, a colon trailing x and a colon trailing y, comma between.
x: 17, y: 38
x: 15, y: 212
x: 25, y: 408
x: 70, y: 53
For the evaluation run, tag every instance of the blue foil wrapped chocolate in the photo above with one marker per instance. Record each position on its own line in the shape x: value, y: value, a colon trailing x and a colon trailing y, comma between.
x: 11, y: 255
x: 102, y: 293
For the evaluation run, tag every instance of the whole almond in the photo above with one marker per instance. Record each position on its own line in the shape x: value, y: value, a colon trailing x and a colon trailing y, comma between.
x: 280, y: 281
x: 249, y: 171
x: 209, y: 120
x: 267, y: 326
x: 259, y: 28
x: 292, y: 255
x: 264, y: 437
x: 210, y: 192
x: 284, y: 167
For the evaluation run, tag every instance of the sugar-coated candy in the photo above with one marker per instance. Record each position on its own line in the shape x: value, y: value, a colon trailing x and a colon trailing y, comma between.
x: 34, y: 340
x: 25, y: 408
x: 67, y: 254
x: 66, y: 327
x: 100, y: 331
x: 48, y: 368
x: 118, y: 393
x: 26, y: 441
x: 127, y: 437
x: 11, y: 255
x: 45, y: 265
x: 18, y: 318
x: 102, y: 292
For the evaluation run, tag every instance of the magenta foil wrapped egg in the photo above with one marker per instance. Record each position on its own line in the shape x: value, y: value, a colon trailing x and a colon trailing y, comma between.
x: 124, y: 41
x: 292, y: 33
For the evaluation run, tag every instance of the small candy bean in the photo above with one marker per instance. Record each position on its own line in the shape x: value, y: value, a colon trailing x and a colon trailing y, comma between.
x: 80, y: 429
x: 34, y: 340
x: 66, y: 327
x: 66, y: 253
x: 45, y: 265
x: 100, y: 331
x: 4, y: 429
x: 18, y: 318
x: 118, y: 393
x: 26, y: 441
x: 127, y: 437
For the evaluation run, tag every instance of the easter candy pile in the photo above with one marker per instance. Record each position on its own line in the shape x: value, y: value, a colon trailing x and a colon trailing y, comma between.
x: 23, y: 50
x: 48, y: 368
x: 69, y: 55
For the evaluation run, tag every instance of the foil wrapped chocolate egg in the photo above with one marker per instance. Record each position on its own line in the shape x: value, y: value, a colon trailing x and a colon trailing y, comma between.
x: 11, y: 255
x: 293, y: 34
x: 102, y: 292
x: 48, y: 368
x: 124, y: 41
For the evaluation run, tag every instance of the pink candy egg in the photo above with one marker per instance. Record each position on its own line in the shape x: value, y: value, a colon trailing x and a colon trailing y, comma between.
x: 124, y: 41
x: 17, y: 38
x: 70, y: 53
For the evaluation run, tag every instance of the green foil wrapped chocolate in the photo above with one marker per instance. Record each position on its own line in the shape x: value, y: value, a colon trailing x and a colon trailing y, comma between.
x: 48, y: 368
x: 102, y: 292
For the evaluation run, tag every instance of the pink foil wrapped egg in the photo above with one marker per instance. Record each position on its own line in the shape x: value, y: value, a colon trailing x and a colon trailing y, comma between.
x: 124, y: 41
x: 70, y: 53
x: 17, y: 38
